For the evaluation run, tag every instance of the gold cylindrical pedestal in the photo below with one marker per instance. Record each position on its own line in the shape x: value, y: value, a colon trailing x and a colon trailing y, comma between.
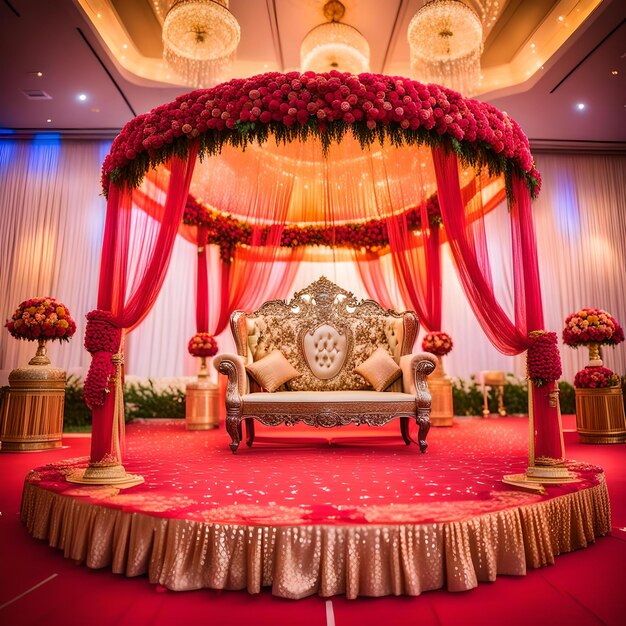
x: 202, y: 405
x: 441, y: 409
x: 31, y: 416
x: 600, y: 415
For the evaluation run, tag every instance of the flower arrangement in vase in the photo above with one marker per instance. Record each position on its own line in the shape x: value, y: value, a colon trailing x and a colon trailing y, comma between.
x: 592, y: 327
x: 596, y: 378
x: 202, y: 345
x: 41, y: 320
x: 439, y: 344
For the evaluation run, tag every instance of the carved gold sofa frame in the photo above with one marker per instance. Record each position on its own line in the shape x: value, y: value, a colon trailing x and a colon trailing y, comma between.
x: 328, y: 392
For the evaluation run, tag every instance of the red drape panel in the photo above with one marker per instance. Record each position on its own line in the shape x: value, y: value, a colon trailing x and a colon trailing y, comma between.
x: 372, y: 276
x: 417, y: 264
x: 262, y: 273
x: 202, y: 284
x: 129, y: 309
x: 469, y: 254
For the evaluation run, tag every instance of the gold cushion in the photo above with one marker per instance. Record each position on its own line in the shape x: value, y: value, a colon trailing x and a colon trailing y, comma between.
x: 272, y: 370
x: 380, y: 370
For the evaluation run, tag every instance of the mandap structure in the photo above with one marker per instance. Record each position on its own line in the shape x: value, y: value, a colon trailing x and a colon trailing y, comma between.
x: 267, y: 170
x: 262, y: 173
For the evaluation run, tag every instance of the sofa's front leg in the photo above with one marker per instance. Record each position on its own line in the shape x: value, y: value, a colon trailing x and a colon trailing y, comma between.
x: 423, y: 425
x: 233, y: 428
x: 423, y: 399
x: 233, y: 402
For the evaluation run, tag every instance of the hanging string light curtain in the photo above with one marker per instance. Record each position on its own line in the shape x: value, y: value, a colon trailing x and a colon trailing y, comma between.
x: 200, y: 38
x: 446, y: 41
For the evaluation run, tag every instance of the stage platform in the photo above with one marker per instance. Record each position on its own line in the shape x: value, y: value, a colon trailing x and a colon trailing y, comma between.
x: 344, y: 511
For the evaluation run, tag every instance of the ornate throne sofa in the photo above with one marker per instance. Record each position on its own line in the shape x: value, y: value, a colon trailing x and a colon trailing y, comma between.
x: 326, y: 359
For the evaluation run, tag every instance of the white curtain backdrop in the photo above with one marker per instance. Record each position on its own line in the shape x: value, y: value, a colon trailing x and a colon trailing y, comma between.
x: 52, y: 218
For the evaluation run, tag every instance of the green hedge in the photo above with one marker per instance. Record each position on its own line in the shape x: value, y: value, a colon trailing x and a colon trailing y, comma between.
x: 144, y: 401
x: 140, y: 401
x: 467, y: 397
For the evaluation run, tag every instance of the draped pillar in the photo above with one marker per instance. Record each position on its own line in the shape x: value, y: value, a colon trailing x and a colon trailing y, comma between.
x: 126, y: 305
x: 472, y: 263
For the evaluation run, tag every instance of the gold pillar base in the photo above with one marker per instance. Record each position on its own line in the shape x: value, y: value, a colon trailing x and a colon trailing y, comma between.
x: 31, y: 416
x: 201, y: 405
x: 105, y: 474
x: 600, y: 415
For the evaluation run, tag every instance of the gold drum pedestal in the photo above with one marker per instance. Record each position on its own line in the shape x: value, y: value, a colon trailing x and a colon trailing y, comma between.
x: 600, y: 415
x: 202, y: 405
x: 31, y: 416
x: 441, y: 409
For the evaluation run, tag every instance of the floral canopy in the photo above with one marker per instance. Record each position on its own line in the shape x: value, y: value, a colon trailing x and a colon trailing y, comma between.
x: 269, y: 166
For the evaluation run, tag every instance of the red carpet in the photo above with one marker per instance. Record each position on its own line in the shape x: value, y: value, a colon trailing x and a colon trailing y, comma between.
x: 462, y: 466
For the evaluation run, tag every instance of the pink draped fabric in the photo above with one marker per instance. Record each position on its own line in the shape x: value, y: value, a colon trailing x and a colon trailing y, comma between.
x: 469, y: 252
x: 130, y: 306
x: 262, y: 273
x: 370, y: 271
x: 417, y: 264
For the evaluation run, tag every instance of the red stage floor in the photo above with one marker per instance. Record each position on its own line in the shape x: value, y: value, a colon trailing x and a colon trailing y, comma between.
x: 404, y: 522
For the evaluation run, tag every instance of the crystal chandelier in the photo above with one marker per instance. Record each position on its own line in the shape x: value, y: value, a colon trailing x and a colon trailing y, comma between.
x: 446, y: 40
x: 334, y: 45
x: 199, y: 41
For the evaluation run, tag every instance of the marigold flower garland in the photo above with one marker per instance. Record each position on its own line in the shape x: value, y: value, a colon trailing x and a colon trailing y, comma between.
x: 41, y: 318
x: 595, y: 378
x: 437, y: 343
x: 592, y: 325
x: 228, y: 232
x: 203, y: 345
x: 543, y: 361
x: 102, y: 340
x: 295, y: 106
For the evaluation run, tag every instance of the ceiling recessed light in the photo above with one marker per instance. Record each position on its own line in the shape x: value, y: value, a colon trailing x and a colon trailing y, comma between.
x: 82, y: 97
x: 614, y: 72
x: 40, y: 74
x: 125, y: 46
x: 561, y: 18
x: 580, y: 106
x: 48, y: 120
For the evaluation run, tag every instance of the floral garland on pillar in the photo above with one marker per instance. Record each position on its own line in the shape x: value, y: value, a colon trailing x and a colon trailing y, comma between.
x: 543, y: 360
x: 102, y: 341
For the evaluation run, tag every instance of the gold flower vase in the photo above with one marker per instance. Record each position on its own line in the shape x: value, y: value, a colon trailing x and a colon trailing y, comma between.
x: 202, y: 401
x: 595, y: 360
x: 31, y: 415
x: 440, y: 385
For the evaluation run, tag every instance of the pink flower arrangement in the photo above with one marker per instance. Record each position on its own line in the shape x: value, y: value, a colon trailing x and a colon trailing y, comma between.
x: 437, y: 343
x: 294, y: 106
x: 202, y: 344
x: 592, y: 326
x: 543, y: 361
x: 41, y: 318
x: 595, y: 378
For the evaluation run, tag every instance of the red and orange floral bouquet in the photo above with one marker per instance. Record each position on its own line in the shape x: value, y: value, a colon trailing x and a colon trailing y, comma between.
x: 437, y: 343
x: 41, y: 318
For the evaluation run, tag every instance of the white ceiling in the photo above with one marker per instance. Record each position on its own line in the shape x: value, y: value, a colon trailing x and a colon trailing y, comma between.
x: 57, y: 39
